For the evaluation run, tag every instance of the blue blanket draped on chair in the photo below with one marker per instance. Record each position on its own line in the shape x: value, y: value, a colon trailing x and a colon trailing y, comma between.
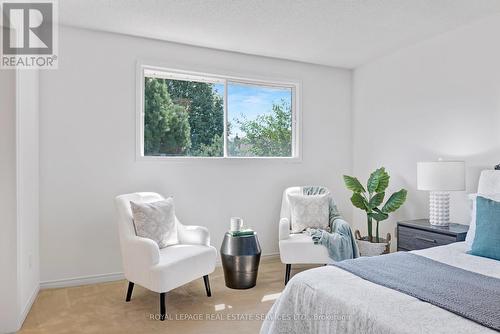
x: 340, y: 242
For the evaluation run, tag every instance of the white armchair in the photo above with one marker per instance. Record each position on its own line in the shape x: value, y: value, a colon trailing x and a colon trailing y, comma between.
x: 297, y: 248
x: 161, y: 270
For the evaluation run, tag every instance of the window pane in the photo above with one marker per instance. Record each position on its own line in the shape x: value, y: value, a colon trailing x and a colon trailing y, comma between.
x: 183, y: 118
x: 259, y: 120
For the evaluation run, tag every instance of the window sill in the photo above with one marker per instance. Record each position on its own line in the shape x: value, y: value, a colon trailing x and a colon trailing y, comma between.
x: 229, y: 160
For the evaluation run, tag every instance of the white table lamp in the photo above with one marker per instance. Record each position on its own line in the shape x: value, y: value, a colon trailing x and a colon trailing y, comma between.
x: 440, y: 177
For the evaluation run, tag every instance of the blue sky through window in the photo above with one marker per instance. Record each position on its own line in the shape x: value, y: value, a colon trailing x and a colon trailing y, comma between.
x: 251, y: 101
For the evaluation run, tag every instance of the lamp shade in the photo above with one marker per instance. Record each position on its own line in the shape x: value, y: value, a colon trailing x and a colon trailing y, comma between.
x: 441, y: 175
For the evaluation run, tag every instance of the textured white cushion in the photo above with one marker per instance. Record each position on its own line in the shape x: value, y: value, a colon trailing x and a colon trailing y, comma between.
x: 156, y: 221
x: 299, y: 248
x: 180, y: 264
x: 471, y: 233
x: 308, y: 211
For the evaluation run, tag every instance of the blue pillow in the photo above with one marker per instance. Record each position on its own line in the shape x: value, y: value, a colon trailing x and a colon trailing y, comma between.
x: 487, y: 240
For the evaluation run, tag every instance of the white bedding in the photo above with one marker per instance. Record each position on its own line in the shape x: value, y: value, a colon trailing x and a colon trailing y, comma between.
x: 331, y: 300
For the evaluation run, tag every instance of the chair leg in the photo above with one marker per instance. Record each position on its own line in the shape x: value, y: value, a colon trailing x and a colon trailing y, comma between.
x: 287, y: 273
x: 129, y: 291
x: 163, y: 309
x: 207, y: 285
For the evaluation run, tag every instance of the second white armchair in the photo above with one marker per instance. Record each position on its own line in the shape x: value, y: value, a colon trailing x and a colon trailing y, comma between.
x: 161, y: 270
x: 297, y: 248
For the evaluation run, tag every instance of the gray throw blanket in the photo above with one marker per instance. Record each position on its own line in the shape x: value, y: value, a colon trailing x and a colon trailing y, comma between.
x: 340, y: 243
x: 468, y: 294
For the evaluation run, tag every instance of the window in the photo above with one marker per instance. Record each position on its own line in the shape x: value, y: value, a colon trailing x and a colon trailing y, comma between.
x: 191, y: 115
x: 259, y: 120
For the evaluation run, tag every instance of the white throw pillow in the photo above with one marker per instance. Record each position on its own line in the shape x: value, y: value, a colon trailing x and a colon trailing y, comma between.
x: 309, y: 211
x: 471, y: 233
x: 156, y: 221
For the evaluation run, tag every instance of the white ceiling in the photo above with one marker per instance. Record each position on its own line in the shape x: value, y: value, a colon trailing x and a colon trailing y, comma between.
x: 343, y: 33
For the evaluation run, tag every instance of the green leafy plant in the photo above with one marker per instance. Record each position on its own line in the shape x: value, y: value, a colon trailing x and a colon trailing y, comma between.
x: 371, y: 198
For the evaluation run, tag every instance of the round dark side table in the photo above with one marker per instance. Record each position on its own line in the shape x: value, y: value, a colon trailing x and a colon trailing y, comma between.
x: 240, y: 260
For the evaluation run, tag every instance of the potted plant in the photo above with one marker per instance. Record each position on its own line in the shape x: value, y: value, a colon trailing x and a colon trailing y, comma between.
x: 370, y: 200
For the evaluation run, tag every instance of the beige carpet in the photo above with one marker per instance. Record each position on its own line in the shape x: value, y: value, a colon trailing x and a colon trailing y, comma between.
x: 101, y: 308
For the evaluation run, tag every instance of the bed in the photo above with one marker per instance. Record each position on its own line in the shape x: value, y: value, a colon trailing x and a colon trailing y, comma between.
x: 331, y: 300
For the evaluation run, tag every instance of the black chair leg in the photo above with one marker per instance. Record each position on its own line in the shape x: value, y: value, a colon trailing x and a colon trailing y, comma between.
x: 207, y: 285
x: 287, y: 273
x: 129, y: 291
x: 163, y: 309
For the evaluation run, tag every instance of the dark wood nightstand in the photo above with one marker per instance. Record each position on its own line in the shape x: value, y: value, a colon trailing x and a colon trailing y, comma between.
x: 420, y: 234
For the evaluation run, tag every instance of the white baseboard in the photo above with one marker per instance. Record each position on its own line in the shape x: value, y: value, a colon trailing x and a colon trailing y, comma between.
x: 82, y: 280
x: 28, y: 306
x: 101, y: 278
x: 270, y: 255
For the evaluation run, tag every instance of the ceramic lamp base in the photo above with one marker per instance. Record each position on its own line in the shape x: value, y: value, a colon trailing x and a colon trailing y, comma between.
x: 439, y: 208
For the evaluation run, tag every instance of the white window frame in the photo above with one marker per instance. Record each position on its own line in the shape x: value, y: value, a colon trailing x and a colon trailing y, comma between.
x: 143, y: 68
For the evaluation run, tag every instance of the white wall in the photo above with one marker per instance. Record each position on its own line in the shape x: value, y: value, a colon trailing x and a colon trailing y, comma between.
x: 27, y: 187
x: 8, y: 242
x: 87, y: 138
x: 440, y: 98
x: 19, y: 261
